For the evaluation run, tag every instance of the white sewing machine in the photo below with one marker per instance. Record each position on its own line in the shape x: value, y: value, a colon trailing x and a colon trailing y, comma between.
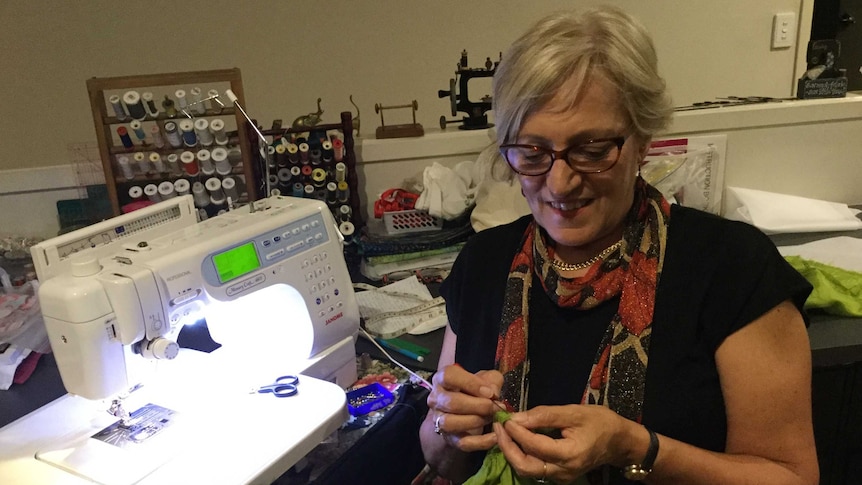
x: 273, y: 285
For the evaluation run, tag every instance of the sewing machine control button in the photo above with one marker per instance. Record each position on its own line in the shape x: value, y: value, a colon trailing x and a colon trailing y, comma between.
x: 328, y: 268
x: 322, y: 313
x: 266, y: 243
x: 332, y: 279
x: 339, y: 304
x: 316, y: 258
x: 336, y: 292
x: 318, y: 301
x: 318, y: 236
x: 323, y: 285
x: 275, y: 254
x: 315, y: 223
x: 326, y: 297
x: 295, y: 231
x: 286, y: 235
x: 276, y: 238
x: 314, y: 288
x: 309, y: 276
x: 330, y: 309
x: 305, y: 227
x: 295, y: 246
x: 304, y: 263
x: 318, y: 272
x: 324, y: 255
x: 309, y: 240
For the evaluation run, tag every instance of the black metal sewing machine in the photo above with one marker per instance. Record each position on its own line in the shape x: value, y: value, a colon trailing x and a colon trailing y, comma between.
x: 476, y: 118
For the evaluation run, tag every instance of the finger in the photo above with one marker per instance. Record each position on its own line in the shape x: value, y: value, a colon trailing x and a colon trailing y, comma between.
x: 469, y: 443
x: 533, y: 443
x: 459, y: 403
x: 455, y: 378
x: 494, y: 380
x: 557, y: 417
x: 524, y: 464
x: 461, y: 423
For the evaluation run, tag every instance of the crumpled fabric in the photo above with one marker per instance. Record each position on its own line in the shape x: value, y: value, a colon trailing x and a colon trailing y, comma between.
x: 447, y: 193
x: 837, y: 291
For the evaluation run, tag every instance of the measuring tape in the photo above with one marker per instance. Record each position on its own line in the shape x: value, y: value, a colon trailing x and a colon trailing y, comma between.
x: 426, y: 310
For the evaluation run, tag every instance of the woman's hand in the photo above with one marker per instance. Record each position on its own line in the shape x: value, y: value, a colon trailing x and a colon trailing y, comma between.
x: 582, y: 437
x: 461, y: 404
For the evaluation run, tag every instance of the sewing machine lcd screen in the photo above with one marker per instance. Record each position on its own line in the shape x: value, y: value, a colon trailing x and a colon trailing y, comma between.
x: 236, y: 262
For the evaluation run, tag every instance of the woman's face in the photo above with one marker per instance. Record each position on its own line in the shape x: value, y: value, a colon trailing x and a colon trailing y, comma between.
x: 583, y: 213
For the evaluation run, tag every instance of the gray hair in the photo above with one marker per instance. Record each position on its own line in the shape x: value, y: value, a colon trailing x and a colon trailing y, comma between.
x: 565, y: 51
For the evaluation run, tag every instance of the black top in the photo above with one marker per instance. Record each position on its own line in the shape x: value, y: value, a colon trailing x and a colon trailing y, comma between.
x: 718, y: 276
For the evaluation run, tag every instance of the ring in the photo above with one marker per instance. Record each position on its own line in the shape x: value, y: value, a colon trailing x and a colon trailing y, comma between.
x: 437, y: 424
x: 544, y: 473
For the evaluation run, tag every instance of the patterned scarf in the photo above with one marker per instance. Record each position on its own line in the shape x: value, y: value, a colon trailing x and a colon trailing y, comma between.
x: 617, y: 378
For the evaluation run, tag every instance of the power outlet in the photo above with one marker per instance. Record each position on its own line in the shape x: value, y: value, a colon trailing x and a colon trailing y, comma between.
x: 783, y: 30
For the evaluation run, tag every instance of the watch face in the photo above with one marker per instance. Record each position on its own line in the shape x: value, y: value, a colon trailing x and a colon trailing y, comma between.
x: 635, y: 472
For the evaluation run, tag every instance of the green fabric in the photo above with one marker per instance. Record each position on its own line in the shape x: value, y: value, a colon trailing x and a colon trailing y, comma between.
x: 837, y: 291
x: 495, y: 469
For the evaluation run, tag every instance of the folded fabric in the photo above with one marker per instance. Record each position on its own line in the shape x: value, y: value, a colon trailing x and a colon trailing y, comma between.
x: 837, y: 291
x: 446, y: 193
x: 780, y: 213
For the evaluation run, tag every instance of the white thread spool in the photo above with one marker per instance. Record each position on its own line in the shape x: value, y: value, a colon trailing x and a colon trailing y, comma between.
x: 182, y: 103
x: 156, y: 134
x: 187, y: 130
x: 303, y: 152
x: 217, y: 129
x: 174, y: 163
x: 219, y: 158
x: 119, y: 111
x: 345, y: 213
x: 340, y: 171
x: 173, y: 135
x: 152, y: 192
x: 205, y: 162
x: 202, y: 214
x: 166, y: 190
x: 150, y: 104
x: 126, y: 167
x: 190, y: 165
x: 196, y: 98
x: 203, y: 132
x: 156, y: 161
x: 347, y: 230
x: 230, y: 189
x: 199, y: 192
x: 182, y: 186
x: 134, y: 105
x: 142, y: 162
x: 295, y: 172
x: 213, y: 186
x: 212, y: 103
x: 135, y: 192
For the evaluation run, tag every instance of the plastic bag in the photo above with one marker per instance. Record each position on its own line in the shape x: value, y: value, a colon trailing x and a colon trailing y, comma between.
x: 685, y: 174
x: 21, y: 322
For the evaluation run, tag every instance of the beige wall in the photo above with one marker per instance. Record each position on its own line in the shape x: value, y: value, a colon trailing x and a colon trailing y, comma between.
x: 291, y: 52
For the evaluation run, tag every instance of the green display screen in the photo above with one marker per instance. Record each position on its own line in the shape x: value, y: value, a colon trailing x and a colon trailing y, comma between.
x: 236, y: 262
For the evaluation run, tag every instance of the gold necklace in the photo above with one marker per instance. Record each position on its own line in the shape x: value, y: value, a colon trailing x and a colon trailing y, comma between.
x: 561, y: 266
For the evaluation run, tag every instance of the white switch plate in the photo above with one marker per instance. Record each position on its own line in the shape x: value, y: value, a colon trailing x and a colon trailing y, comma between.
x: 783, y: 30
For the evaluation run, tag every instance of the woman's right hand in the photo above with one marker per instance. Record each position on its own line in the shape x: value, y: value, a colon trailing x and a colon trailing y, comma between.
x: 461, y: 404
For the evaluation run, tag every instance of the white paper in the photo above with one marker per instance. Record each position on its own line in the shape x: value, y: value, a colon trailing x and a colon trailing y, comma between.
x: 400, y: 296
x: 842, y: 252
x: 780, y: 213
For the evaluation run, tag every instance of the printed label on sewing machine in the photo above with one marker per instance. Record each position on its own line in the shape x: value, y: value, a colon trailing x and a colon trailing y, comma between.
x: 143, y: 424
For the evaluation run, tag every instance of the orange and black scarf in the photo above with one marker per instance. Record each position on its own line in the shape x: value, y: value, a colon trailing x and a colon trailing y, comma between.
x: 618, y: 375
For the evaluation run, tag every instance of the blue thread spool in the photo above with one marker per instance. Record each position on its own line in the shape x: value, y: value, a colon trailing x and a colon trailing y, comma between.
x: 139, y: 130
x: 124, y: 137
x: 187, y: 129
x: 297, y: 189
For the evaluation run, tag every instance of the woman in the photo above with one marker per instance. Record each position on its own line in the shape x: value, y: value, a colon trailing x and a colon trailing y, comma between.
x: 654, y: 342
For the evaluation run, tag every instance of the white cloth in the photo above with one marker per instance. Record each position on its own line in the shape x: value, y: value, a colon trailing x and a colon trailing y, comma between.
x: 497, y: 202
x: 780, y: 213
x: 446, y: 193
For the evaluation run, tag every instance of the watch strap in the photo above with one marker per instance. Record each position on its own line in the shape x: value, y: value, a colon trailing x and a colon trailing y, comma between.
x: 640, y: 472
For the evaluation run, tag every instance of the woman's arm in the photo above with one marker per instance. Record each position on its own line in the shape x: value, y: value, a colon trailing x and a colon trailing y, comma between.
x: 462, y: 402
x: 765, y: 372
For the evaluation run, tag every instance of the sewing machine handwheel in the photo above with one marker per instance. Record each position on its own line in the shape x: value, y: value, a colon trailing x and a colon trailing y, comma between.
x: 442, y: 122
x: 376, y: 107
x: 415, y: 105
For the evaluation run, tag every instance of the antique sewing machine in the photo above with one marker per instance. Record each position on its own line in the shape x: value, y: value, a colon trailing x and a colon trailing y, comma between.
x: 270, y: 282
x: 459, y: 100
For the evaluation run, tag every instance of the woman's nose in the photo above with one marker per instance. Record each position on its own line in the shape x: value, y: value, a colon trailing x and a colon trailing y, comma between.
x: 561, y: 178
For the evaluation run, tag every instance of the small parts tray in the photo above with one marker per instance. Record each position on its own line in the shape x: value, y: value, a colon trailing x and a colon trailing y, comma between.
x: 367, y: 399
x: 404, y: 222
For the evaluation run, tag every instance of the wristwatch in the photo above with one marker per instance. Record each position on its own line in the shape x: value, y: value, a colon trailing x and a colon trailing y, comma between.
x: 640, y: 472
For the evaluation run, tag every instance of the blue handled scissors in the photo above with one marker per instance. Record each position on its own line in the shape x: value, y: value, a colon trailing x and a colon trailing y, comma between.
x: 284, y: 386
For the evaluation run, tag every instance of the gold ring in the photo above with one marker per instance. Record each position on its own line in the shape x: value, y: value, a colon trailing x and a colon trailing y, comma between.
x: 437, y: 424
x: 544, y: 473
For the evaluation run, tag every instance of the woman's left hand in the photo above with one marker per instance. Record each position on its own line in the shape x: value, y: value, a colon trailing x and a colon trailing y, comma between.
x: 589, y: 436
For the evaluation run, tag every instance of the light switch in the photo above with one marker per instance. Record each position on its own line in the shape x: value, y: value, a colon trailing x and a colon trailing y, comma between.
x: 783, y: 30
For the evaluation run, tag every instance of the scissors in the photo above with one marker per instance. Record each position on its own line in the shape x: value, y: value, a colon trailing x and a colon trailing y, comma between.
x: 284, y: 386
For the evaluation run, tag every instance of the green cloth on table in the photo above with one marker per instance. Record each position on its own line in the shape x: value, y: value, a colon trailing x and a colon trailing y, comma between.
x: 495, y: 469
x: 837, y: 291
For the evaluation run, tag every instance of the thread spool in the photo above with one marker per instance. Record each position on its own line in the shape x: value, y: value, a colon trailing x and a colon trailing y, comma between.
x: 326, y: 147
x: 230, y: 189
x: 169, y: 107
x: 133, y: 103
x: 338, y: 149
x: 156, y: 135
x: 117, y: 104
x: 173, y: 135
x: 234, y: 155
x: 182, y: 187
x: 135, y: 192
x: 213, y: 103
x: 190, y: 164
x: 205, y: 162
x: 203, y: 132
x: 347, y: 229
x: 199, y: 192
x: 314, y: 154
x: 344, y: 212
x: 152, y: 192
x: 150, y: 104
x: 343, y: 192
x: 331, y: 191
x: 174, y: 163
x: 270, y: 156
x: 308, y: 191
x: 318, y: 177
x: 284, y: 176
x: 213, y: 185
x: 202, y: 213
x: 292, y: 153
x: 126, y: 167
x: 187, y: 131
x: 138, y: 128
x: 157, y: 163
x: 166, y: 190
x: 275, y: 192
x: 217, y: 129
x: 142, y: 162
x: 340, y: 172
x: 297, y: 189
x: 196, y: 99
x: 219, y: 158
x: 306, y: 171
x: 217, y: 204
x: 295, y: 172
x: 280, y: 155
x: 273, y: 180
x: 124, y: 137
x: 303, y: 153
x: 182, y: 102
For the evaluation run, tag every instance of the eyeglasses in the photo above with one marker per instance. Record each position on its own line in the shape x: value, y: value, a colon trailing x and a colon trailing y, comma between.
x: 592, y: 156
